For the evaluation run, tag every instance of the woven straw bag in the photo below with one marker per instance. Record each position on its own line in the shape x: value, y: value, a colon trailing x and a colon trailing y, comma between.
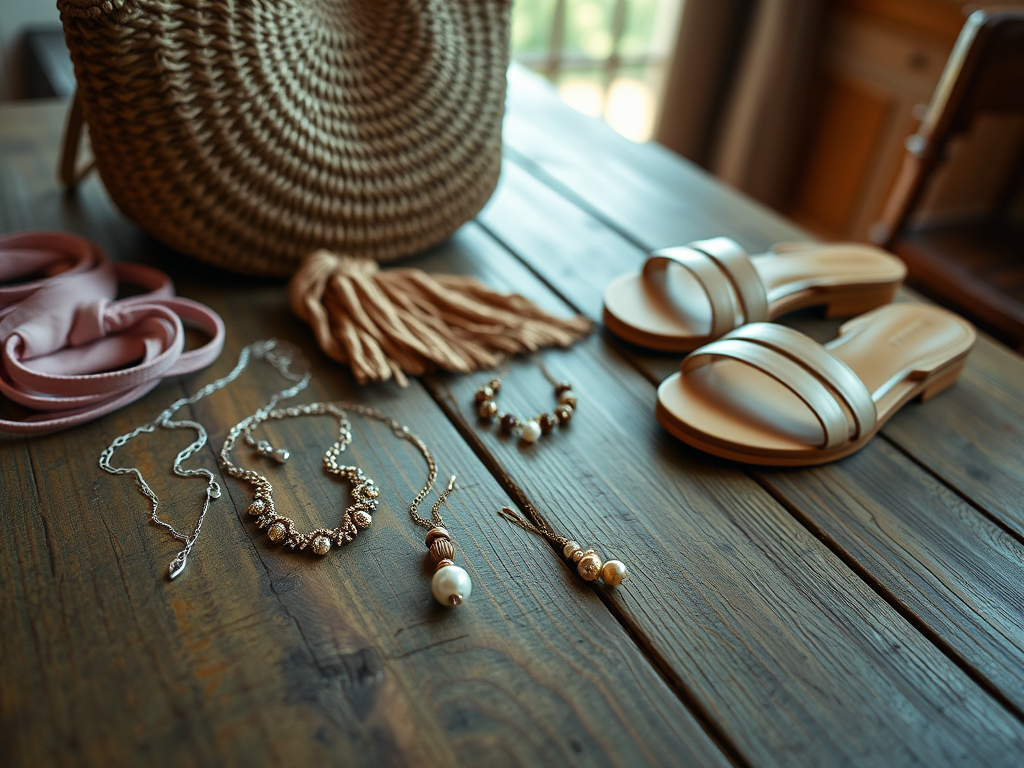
x: 249, y: 132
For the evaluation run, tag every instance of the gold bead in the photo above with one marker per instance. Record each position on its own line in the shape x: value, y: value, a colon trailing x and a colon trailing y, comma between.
x: 563, y: 413
x: 589, y: 567
x: 487, y: 410
x: 495, y: 385
x: 362, y: 519
x: 321, y: 544
x: 614, y: 573
x: 442, y: 549
x: 436, y: 533
x: 442, y: 564
x: 258, y: 507
x: 277, y: 532
x: 568, y: 398
x: 576, y: 556
x: 484, y: 393
x: 569, y: 548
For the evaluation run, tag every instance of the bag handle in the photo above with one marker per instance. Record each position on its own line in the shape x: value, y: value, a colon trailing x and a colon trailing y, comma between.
x: 68, y: 173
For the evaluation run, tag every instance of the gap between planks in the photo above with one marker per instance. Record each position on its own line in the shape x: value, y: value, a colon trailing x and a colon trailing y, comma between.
x: 972, y: 672
x: 644, y: 647
x: 535, y: 170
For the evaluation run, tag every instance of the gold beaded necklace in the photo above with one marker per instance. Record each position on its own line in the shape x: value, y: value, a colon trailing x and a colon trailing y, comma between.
x: 531, y: 429
x: 450, y: 585
x: 588, y: 563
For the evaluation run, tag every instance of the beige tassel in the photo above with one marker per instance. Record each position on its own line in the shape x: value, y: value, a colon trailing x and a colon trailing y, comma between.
x: 404, y: 322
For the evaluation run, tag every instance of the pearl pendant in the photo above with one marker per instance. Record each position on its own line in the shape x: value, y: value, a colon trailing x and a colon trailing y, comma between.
x: 531, y: 431
x: 613, y: 573
x: 451, y: 585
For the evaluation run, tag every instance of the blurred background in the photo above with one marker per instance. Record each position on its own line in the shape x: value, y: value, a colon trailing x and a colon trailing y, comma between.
x: 608, y: 58
x: 817, y: 108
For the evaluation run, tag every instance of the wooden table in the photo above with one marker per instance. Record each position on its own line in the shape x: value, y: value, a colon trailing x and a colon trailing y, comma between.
x: 868, y: 612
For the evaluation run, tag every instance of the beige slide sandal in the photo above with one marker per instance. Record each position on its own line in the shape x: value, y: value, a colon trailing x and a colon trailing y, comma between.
x: 689, y: 295
x: 766, y: 394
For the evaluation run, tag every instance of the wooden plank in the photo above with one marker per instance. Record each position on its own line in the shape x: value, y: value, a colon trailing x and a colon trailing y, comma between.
x: 953, y: 569
x: 347, y: 658
x: 655, y: 199
x: 635, y: 188
x: 970, y: 268
x: 256, y: 656
x: 980, y: 421
x: 796, y: 659
x: 974, y: 436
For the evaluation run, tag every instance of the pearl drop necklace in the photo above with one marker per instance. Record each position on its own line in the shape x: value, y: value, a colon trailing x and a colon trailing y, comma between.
x: 450, y: 585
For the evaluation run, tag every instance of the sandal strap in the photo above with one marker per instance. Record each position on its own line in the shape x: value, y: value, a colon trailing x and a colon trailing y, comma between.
x: 725, y: 272
x: 738, y: 267
x: 821, y: 380
x: 820, y: 361
x: 710, y: 277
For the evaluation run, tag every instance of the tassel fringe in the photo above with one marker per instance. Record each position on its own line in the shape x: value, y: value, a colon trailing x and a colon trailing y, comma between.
x: 403, y: 322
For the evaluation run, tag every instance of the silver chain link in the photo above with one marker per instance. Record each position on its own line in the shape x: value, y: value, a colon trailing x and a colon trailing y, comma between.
x: 288, y: 362
x: 282, y: 356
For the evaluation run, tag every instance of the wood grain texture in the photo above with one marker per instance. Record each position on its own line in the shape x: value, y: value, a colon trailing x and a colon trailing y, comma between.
x: 971, y: 438
x: 849, y: 123
x: 956, y: 570
x: 796, y: 659
x: 976, y: 442
x: 634, y: 188
x: 654, y: 199
x: 256, y: 656
x: 830, y: 623
x: 920, y: 566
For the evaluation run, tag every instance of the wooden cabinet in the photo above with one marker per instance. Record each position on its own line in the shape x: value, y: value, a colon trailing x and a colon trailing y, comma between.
x: 880, y: 60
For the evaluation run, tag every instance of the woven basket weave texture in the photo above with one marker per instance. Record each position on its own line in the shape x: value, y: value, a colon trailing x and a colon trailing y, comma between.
x: 249, y: 132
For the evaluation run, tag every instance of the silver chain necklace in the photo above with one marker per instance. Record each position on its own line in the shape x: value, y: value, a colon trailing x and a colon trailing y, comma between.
x: 282, y: 356
x: 450, y: 584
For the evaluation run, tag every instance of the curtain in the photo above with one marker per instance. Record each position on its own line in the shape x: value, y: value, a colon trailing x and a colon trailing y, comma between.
x: 736, y: 97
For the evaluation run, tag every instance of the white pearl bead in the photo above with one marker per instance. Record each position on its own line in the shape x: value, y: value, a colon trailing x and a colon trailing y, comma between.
x: 613, y: 573
x: 451, y: 585
x: 531, y: 431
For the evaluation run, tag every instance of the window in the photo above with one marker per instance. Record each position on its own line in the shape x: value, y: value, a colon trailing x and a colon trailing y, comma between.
x: 608, y: 58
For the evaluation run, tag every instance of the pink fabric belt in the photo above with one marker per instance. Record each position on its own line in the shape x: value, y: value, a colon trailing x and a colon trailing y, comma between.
x: 70, y: 348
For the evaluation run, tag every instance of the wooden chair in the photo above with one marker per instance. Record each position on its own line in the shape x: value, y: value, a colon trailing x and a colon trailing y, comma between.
x: 975, y: 265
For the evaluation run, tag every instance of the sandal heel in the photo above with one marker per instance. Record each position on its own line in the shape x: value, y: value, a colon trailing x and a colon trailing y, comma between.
x: 858, y: 302
x: 941, y: 383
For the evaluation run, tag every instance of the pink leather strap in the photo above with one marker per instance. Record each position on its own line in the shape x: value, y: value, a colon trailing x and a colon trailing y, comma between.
x: 70, y: 349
